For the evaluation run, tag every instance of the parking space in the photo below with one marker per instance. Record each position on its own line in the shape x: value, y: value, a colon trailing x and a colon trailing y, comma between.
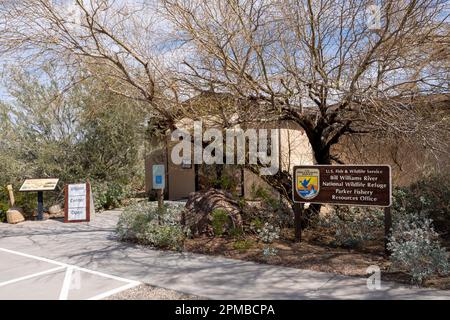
x: 24, y: 276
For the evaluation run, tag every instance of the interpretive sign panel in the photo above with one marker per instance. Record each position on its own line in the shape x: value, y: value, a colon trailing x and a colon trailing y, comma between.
x: 358, y: 185
x: 33, y: 185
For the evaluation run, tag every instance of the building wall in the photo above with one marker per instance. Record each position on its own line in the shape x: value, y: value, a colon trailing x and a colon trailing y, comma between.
x: 179, y: 181
x: 294, y: 150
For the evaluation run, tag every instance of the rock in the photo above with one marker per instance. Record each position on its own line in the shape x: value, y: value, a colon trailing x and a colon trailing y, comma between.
x: 55, y: 210
x: 15, y: 215
x: 47, y: 214
x: 197, y: 213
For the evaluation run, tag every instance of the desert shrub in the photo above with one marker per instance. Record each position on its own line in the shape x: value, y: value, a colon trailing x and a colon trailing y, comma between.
x: 429, y: 197
x: 272, y: 210
x: 109, y: 195
x: 415, y: 247
x: 162, y: 236
x: 144, y: 223
x: 4, y: 204
x: 3, y: 209
x: 256, y: 224
x: 226, y: 182
x: 219, y: 221
x: 25, y: 200
x: 236, y: 232
x: 86, y: 133
x: 352, y: 225
x: 269, y: 251
x: 268, y: 233
x: 264, y: 194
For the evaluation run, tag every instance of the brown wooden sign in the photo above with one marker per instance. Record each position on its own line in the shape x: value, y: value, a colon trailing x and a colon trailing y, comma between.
x: 359, y: 185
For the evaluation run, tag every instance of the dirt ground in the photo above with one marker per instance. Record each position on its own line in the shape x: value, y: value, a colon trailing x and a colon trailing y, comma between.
x: 315, y: 252
x: 147, y: 292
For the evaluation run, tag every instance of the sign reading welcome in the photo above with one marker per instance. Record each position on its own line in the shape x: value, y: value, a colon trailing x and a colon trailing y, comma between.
x: 78, y: 202
x: 359, y: 185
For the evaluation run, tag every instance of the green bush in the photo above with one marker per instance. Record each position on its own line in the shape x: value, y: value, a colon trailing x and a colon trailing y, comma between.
x: 414, y: 242
x: 144, y: 223
x: 109, y: 195
x: 4, y: 205
x: 256, y: 224
x: 415, y: 247
x: 219, y: 221
x: 86, y: 133
x: 226, y: 182
x: 274, y: 211
x: 25, y: 200
x: 236, y: 232
x: 268, y: 233
x: 352, y: 225
x: 2, y: 213
x: 429, y: 197
x: 264, y: 195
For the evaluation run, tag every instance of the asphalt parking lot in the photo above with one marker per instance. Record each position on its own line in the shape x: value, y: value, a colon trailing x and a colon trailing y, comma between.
x: 54, y: 260
x: 24, y: 276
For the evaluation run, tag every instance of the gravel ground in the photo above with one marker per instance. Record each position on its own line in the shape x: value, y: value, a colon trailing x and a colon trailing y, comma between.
x: 147, y: 292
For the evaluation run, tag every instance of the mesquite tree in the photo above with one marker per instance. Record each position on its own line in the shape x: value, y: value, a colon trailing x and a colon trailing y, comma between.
x: 333, y: 67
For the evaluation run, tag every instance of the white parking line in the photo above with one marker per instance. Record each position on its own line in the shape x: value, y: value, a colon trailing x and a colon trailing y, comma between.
x: 66, y: 284
x: 33, y: 257
x: 30, y: 276
x: 67, y: 278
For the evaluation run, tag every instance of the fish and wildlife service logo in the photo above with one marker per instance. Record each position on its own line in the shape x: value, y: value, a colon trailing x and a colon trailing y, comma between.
x: 308, y: 183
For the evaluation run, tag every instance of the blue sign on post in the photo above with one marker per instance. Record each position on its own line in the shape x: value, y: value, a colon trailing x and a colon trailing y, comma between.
x: 158, y: 176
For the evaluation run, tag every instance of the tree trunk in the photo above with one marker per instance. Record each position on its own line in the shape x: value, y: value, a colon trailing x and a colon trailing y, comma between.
x: 322, y: 156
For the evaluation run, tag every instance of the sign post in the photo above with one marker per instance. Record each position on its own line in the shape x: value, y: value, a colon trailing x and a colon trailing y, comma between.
x: 40, y: 208
x: 357, y: 185
x: 298, y: 220
x: 39, y: 186
x: 12, y: 200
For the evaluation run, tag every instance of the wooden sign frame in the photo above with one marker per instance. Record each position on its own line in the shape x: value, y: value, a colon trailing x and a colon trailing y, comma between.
x: 88, y: 204
x: 299, y: 203
x: 385, y: 178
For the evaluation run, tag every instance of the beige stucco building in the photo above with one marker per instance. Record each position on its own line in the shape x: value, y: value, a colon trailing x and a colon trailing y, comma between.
x: 183, y: 179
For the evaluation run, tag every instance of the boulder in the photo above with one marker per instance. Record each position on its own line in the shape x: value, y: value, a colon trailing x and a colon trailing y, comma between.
x: 200, y: 205
x: 55, y: 210
x: 14, y: 215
